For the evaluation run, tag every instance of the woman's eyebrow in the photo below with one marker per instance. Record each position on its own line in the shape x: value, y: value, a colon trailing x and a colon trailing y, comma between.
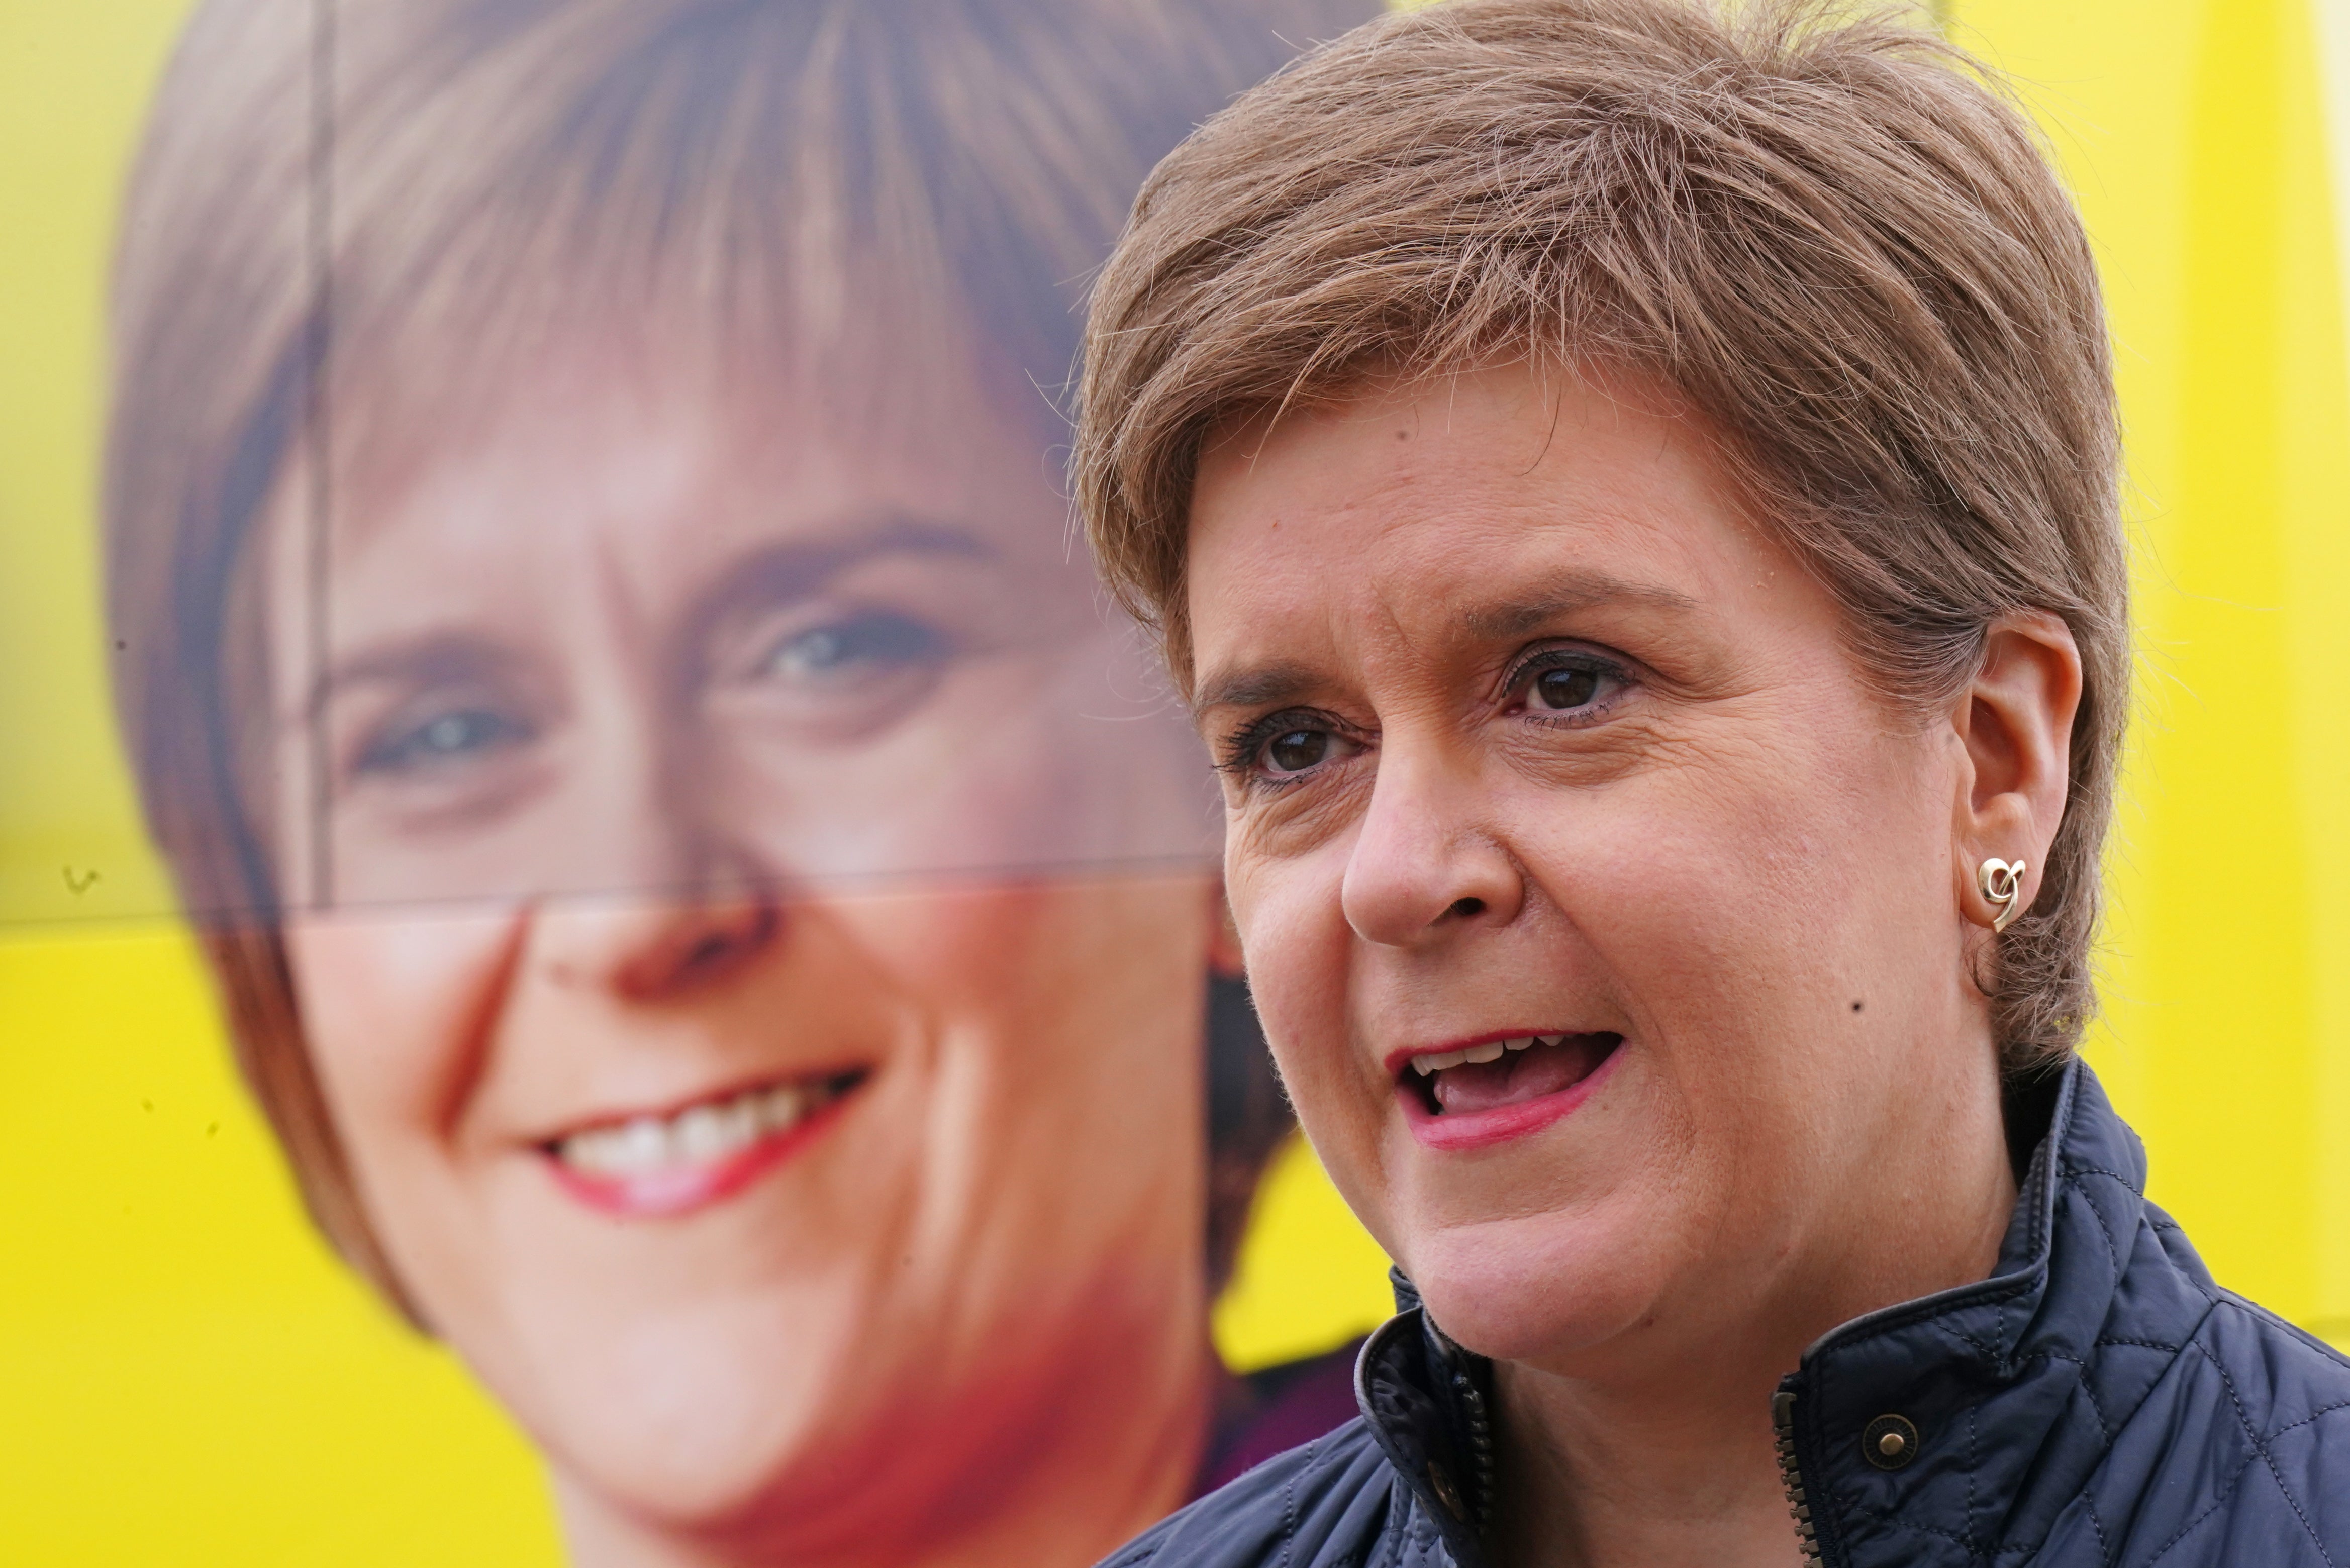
x: 1274, y: 685
x: 1266, y: 686
x: 1562, y: 595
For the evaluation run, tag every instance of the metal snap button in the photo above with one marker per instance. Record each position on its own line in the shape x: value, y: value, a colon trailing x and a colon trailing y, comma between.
x: 1888, y: 1442
x: 1441, y: 1484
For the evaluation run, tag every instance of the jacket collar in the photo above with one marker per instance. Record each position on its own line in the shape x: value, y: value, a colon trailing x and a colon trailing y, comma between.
x: 1428, y: 1405
x: 2008, y: 1354
x: 2016, y: 1386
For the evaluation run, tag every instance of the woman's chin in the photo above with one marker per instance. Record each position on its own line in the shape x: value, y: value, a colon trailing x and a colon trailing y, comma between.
x: 1545, y: 1288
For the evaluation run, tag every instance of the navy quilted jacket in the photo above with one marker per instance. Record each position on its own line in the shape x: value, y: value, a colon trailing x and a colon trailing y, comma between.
x: 2098, y: 1400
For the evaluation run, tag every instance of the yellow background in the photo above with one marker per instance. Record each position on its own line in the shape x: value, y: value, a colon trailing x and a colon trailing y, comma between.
x: 185, y: 1377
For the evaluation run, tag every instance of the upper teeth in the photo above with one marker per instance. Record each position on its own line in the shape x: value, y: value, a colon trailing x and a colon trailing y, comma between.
x: 1489, y: 1052
x: 699, y: 1134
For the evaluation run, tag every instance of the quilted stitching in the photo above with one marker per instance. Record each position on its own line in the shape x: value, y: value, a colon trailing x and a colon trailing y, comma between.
x: 2116, y: 1408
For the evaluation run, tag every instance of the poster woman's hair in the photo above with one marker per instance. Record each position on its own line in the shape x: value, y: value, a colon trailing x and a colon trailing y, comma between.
x: 350, y: 222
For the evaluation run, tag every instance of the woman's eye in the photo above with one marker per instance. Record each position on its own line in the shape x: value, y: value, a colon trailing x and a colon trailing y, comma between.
x: 452, y: 736
x: 1280, y: 749
x: 855, y: 645
x: 1565, y: 689
x: 1296, y: 750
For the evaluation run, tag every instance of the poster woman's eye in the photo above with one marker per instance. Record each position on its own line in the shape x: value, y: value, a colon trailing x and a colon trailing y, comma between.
x: 441, y: 739
x: 853, y: 647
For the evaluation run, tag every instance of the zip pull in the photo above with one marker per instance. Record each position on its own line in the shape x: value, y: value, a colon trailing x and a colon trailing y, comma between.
x: 1791, y: 1474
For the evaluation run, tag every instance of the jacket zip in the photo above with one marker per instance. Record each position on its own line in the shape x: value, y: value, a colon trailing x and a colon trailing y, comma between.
x: 1481, y: 1452
x: 1791, y: 1474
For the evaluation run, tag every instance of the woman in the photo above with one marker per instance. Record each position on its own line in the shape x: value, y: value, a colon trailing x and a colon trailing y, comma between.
x: 1629, y: 493
x: 717, y: 915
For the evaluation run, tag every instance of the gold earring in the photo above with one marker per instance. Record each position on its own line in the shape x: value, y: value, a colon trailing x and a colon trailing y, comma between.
x: 2001, y: 882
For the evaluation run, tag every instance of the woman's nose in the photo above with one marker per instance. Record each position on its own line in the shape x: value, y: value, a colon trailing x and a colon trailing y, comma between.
x: 1423, y: 863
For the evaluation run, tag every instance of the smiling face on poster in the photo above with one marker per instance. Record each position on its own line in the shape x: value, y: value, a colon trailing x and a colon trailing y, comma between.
x: 703, y: 988
x: 718, y: 908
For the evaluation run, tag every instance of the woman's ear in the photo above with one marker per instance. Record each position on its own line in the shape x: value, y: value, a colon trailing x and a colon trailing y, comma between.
x: 2014, y: 727
x: 1224, y: 959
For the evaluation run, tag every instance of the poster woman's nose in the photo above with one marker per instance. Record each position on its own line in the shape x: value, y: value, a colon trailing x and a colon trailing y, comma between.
x: 659, y: 944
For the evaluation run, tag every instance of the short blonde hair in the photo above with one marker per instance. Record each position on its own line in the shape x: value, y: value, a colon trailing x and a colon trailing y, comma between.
x: 1833, y: 237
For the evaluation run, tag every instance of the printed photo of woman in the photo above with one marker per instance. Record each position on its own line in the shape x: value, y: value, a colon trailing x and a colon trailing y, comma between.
x: 720, y: 911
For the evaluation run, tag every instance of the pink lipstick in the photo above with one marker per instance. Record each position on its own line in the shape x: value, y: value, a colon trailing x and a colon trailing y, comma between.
x: 658, y: 1164
x: 1500, y: 1086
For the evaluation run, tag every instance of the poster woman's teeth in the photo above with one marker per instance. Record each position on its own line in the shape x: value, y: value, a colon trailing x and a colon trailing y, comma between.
x: 698, y: 1134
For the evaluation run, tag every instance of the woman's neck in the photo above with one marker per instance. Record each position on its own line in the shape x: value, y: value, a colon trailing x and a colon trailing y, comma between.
x: 1595, y: 1477
x: 1664, y: 1454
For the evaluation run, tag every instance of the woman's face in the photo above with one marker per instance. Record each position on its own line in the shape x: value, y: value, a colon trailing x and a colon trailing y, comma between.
x: 760, y: 910
x: 1605, y: 925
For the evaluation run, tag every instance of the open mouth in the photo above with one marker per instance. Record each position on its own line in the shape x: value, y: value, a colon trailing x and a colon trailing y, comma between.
x: 1503, y: 1086
x: 696, y: 1154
